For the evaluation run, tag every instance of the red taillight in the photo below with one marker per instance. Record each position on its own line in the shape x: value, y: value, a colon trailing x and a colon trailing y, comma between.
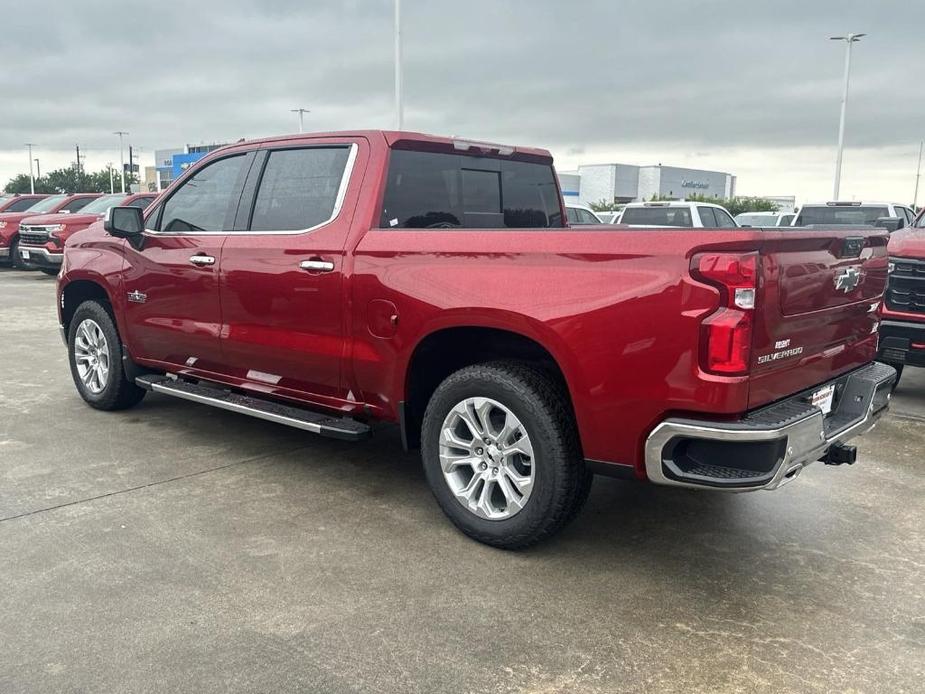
x: 726, y: 337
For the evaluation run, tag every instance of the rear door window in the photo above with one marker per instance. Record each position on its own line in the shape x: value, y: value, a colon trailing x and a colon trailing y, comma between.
x: 298, y: 188
x: 707, y: 217
x: 432, y: 190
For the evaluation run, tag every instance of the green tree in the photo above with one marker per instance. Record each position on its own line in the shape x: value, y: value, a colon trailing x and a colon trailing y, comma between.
x: 603, y: 206
x: 69, y: 180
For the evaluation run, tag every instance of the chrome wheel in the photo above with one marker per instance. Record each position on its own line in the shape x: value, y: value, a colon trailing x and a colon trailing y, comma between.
x: 91, y: 355
x: 487, y: 458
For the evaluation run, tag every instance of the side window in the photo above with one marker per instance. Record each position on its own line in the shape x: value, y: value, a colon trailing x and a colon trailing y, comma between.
x: 785, y: 220
x: 707, y: 218
x: 723, y: 220
x: 588, y: 217
x: 208, y: 200
x: 77, y: 204
x: 140, y: 202
x: 905, y: 215
x: 298, y: 188
x: 572, y: 214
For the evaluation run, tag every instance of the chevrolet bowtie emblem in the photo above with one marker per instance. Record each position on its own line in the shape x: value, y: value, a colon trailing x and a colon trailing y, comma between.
x: 137, y: 297
x: 847, y: 279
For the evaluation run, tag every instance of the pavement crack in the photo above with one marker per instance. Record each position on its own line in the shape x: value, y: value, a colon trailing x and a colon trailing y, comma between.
x: 156, y: 483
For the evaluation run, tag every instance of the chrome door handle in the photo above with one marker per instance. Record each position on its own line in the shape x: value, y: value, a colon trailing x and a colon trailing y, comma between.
x: 202, y: 260
x: 317, y: 265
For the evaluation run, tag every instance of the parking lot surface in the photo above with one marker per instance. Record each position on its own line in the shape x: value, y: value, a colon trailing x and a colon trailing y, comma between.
x: 175, y: 547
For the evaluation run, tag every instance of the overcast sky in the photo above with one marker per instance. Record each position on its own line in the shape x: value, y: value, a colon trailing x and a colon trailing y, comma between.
x: 752, y: 88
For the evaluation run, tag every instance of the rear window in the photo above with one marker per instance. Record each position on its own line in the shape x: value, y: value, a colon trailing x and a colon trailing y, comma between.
x: 658, y: 216
x: 861, y: 215
x: 22, y: 205
x: 428, y: 190
x: 757, y: 220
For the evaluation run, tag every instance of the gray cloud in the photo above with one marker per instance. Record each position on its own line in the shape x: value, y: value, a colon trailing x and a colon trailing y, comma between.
x: 572, y: 76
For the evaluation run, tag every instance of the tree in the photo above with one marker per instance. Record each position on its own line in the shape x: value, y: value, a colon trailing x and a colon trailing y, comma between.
x: 69, y: 180
x: 603, y: 206
x: 735, y: 206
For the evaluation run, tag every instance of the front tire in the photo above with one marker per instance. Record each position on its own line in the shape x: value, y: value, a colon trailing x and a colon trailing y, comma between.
x: 501, y: 454
x: 95, y: 355
x: 15, y: 260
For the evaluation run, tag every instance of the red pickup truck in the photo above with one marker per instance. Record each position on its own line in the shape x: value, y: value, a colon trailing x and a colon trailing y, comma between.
x: 52, y: 204
x: 42, y: 237
x: 326, y: 281
x: 902, y: 332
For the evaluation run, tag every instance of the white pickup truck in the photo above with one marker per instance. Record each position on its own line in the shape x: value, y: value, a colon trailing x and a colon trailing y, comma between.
x: 677, y: 213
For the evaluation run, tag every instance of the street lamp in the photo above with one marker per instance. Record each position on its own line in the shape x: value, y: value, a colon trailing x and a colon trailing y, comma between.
x: 301, y: 112
x: 398, y: 102
x: 38, y: 169
x: 849, y: 39
x: 121, y: 133
x: 918, y: 175
x: 30, y: 145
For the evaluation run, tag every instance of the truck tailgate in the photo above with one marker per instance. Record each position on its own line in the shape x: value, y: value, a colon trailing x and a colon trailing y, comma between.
x: 817, y: 308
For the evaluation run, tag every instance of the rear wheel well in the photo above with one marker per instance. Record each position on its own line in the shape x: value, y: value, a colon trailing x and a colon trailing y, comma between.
x: 77, y: 292
x: 446, y: 351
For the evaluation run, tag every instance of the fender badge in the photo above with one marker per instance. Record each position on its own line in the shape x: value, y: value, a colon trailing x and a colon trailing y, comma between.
x: 136, y: 297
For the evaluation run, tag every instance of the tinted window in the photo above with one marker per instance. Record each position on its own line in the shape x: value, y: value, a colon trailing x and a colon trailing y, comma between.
x: 22, y: 205
x: 48, y: 204
x: 905, y: 214
x: 756, y: 220
x: 77, y: 204
x: 208, y: 200
x: 707, y: 218
x: 657, y: 216
x: 572, y: 214
x: 843, y: 214
x: 141, y: 203
x: 723, y: 220
x: 432, y: 190
x: 785, y: 220
x: 298, y: 188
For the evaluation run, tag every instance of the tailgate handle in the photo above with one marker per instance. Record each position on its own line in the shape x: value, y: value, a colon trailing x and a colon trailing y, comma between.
x: 851, y: 247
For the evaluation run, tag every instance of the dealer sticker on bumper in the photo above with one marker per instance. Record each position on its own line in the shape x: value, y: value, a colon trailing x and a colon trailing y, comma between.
x: 24, y: 254
x: 822, y: 398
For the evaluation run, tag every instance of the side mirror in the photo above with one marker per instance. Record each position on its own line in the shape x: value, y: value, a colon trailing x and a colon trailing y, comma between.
x: 124, y: 222
x: 891, y: 224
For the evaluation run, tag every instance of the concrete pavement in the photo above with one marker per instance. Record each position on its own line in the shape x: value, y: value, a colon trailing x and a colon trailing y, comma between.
x: 174, y: 547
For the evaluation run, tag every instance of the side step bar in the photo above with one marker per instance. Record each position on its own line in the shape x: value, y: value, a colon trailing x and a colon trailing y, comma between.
x: 334, y: 427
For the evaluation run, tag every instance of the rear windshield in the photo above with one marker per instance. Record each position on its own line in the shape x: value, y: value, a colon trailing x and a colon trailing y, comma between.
x: 858, y: 216
x: 757, y: 220
x: 658, y: 216
x: 429, y: 190
x: 22, y: 205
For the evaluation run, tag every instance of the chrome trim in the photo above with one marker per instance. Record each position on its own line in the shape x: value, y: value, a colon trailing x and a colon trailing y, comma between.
x: 4, y: 252
x: 39, y: 228
x: 234, y: 407
x: 55, y: 258
x: 202, y: 260
x: 317, y: 265
x: 338, y: 202
x: 806, y: 444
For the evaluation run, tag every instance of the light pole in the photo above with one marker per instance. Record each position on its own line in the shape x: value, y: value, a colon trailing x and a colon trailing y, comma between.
x: 112, y: 187
x: 30, y: 145
x: 121, y: 133
x: 849, y: 39
x: 38, y: 169
x: 399, y: 116
x: 918, y: 175
x: 301, y: 112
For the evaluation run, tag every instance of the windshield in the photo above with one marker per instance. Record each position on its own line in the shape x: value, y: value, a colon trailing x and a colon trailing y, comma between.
x: 48, y: 204
x: 757, y: 220
x: 860, y: 215
x: 100, y: 205
x: 658, y: 216
x: 22, y: 205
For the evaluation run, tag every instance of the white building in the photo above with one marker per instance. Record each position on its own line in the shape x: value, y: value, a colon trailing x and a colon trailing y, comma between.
x: 629, y: 183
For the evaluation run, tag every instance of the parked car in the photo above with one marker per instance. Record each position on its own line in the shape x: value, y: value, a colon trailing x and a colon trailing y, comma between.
x: 10, y: 221
x: 676, y: 214
x: 902, y: 330
x: 854, y: 213
x: 19, y: 203
x: 608, y: 216
x: 328, y: 281
x: 580, y: 214
x: 764, y: 219
x: 42, y: 237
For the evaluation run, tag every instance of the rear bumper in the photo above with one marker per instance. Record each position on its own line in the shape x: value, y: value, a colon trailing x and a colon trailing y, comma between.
x: 896, y: 340
x: 41, y: 257
x: 770, y: 446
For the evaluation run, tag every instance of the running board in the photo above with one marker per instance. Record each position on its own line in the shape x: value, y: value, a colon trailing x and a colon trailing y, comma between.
x: 315, y: 422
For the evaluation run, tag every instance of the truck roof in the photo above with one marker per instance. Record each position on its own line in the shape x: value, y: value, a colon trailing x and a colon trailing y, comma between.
x: 401, y: 139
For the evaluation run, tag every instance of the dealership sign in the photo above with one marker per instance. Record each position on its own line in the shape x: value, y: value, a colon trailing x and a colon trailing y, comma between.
x: 694, y: 184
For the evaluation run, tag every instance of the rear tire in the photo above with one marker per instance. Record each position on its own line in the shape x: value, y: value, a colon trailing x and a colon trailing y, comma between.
x: 477, y: 425
x: 95, y: 355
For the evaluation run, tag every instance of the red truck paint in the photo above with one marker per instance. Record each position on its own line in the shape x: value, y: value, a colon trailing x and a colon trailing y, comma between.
x: 903, y: 313
x: 617, y: 309
x: 47, y: 248
x: 10, y: 221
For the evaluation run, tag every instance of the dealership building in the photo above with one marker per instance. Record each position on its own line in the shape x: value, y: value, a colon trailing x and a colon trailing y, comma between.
x: 170, y: 163
x: 629, y: 183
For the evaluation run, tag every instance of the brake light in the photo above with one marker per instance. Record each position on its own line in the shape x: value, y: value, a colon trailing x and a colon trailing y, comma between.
x: 726, y: 334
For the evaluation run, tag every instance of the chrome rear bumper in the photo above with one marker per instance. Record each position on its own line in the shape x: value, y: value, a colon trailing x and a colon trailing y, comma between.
x: 770, y: 446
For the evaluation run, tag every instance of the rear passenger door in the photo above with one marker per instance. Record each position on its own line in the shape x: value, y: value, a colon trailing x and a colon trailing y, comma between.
x: 282, y: 282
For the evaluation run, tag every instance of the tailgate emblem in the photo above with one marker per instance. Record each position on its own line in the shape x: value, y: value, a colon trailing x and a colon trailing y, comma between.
x: 847, y: 279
